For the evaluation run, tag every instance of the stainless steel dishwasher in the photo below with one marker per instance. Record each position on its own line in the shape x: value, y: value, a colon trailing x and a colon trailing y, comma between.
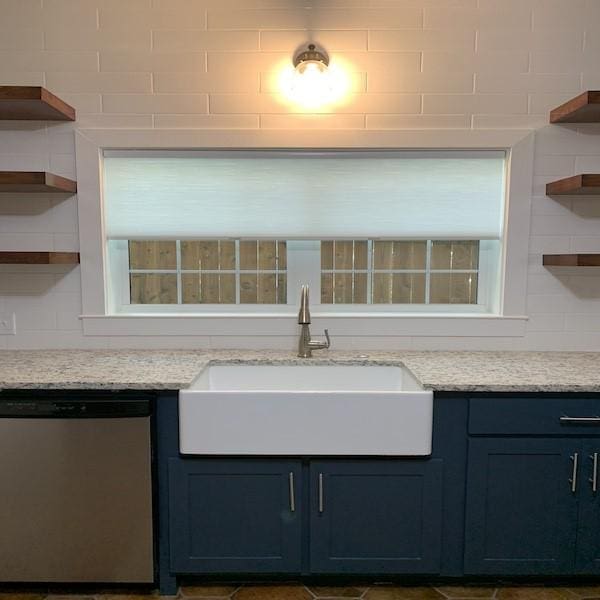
x: 75, y: 487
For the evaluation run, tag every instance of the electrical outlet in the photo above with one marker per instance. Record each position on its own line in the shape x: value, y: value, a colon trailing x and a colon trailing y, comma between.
x: 8, y: 324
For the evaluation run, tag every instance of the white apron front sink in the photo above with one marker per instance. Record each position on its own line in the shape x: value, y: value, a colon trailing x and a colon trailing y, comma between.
x: 358, y: 410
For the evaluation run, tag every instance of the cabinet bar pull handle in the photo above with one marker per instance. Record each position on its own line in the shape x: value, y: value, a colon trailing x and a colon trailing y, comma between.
x: 292, y: 493
x: 594, y: 478
x: 573, y: 480
x: 321, y: 503
x: 580, y: 420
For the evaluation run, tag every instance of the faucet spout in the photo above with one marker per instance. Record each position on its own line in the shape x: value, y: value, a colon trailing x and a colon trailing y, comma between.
x: 304, y: 314
x: 305, y: 343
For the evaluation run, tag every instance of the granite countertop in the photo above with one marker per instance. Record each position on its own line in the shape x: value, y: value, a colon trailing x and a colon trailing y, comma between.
x: 173, y: 370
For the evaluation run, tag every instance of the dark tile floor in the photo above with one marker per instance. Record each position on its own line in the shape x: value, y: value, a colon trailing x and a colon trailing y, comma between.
x: 309, y: 592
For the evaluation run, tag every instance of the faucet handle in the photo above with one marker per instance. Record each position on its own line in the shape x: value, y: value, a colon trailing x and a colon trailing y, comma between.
x: 318, y: 344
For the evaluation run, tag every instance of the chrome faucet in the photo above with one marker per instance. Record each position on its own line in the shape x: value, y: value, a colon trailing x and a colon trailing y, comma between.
x: 306, y: 345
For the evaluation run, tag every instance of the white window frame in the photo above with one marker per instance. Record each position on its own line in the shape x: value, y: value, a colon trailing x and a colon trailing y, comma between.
x: 506, y: 319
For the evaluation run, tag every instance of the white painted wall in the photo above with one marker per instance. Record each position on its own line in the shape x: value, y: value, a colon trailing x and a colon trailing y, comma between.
x: 198, y: 64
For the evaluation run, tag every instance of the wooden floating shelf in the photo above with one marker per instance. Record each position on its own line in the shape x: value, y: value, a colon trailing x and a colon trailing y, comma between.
x: 584, y: 108
x: 35, y: 182
x: 571, y: 260
x: 39, y: 258
x: 32, y: 103
x: 578, y: 185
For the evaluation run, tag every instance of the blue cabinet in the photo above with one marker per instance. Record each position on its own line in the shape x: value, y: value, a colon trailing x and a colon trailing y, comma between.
x: 375, y: 516
x: 521, y: 514
x: 495, y: 499
x: 587, y: 560
x: 235, y: 515
x: 533, y: 486
x: 245, y: 515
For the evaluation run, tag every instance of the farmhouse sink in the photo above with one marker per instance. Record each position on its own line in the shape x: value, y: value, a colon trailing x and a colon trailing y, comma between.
x: 335, y: 409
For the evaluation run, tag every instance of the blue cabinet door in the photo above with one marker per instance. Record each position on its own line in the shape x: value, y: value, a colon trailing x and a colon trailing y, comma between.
x: 376, y: 516
x: 521, y: 515
x: 235, y: 515
x: 588, y: 491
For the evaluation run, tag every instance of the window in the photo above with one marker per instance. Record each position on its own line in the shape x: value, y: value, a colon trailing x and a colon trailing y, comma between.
x: 410, y: 273
x: 241, y: 231
x: 207, y: 272
x: 399, y: 272
x: 254, y: 272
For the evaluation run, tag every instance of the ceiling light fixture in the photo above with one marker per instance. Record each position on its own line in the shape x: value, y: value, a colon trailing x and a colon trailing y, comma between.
x: 312, y: 83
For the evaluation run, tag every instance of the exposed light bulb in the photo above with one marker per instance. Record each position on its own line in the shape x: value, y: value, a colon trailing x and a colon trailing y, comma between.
x: 313, y: 83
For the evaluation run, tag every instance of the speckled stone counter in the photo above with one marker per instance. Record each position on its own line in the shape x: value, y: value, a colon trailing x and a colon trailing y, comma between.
x: 172, y: 370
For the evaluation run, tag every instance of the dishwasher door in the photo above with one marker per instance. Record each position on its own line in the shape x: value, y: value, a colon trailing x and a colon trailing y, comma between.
x: 75, y: 500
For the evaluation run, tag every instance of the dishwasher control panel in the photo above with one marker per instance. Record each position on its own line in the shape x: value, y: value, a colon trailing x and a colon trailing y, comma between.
x: 60, y: 406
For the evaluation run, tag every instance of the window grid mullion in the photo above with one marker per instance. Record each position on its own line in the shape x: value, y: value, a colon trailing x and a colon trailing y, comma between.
x: 399, y: 271
x: 370, y: 271
x: 333, y: 273
x: 178, y: 265
x: 256, y: 256
x: 428, y: 272
x: 237, y: 273
x: 273, y: 271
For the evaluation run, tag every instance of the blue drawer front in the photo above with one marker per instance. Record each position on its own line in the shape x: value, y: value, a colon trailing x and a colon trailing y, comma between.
x: 534, y: 416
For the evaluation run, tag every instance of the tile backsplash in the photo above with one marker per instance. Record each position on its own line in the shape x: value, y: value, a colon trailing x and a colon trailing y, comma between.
x: 203, y: 64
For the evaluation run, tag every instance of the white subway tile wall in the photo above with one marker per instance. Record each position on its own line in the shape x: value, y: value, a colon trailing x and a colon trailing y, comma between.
x: 207, y: 64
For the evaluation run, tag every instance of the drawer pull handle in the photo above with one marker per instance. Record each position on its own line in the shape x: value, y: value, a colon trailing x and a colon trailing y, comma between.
x: 573, y: 480
x: 292, y: 493
x: 594, y: 478
x: 580, y: 420
x: 321, y: 495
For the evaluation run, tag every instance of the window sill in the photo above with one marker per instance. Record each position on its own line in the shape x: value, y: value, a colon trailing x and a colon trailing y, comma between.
x: 284, y: 324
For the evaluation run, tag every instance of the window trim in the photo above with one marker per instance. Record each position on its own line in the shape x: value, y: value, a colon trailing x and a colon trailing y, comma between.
x: 508, y: 318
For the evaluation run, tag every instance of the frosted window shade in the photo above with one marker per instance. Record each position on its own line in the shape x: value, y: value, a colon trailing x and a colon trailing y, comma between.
x: 304, y: 196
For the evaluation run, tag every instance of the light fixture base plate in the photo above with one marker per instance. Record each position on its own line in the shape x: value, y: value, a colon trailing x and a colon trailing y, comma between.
x: 311, y: 54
